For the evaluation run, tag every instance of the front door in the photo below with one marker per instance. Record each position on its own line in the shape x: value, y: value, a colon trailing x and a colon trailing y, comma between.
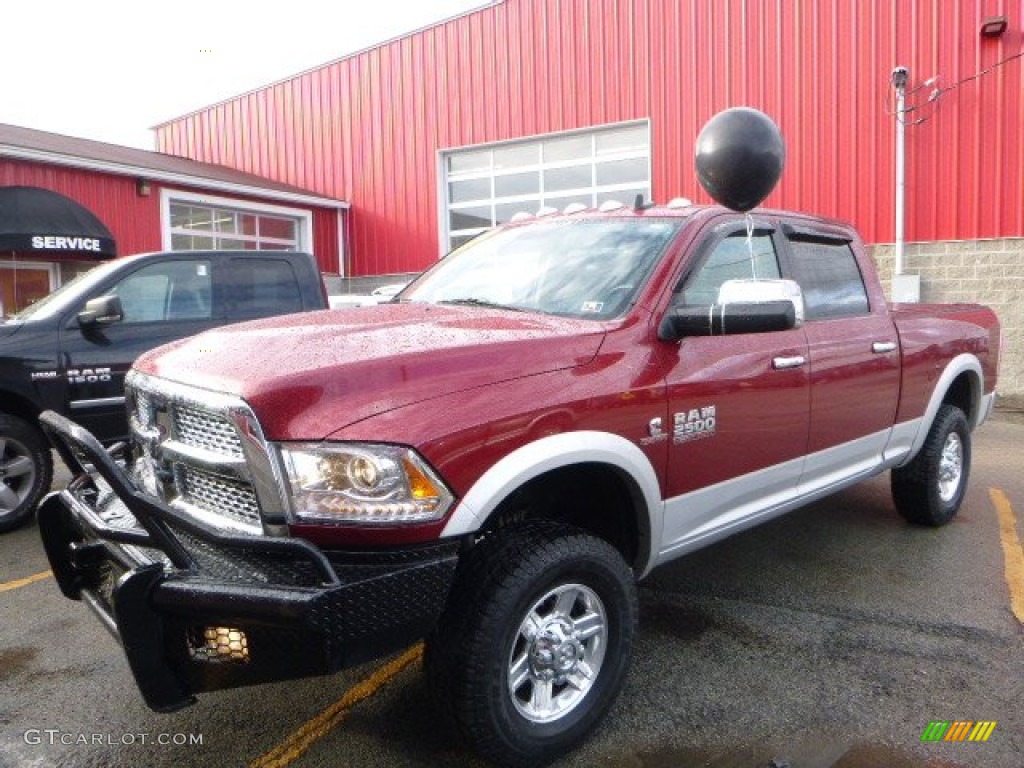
x: 162, y: 302
x: 738, y: 404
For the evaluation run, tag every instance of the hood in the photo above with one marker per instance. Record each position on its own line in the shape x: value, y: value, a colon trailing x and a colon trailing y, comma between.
x: 309, y: 375
x: 9, y: 327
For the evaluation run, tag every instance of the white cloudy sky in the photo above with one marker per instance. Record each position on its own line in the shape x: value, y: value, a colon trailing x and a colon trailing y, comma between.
x: 111, y: 69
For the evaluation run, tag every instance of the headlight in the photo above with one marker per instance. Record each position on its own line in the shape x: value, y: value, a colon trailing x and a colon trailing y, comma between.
x: 361, y: 483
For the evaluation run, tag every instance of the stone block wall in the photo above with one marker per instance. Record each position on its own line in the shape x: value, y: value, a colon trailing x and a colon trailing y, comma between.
x: 987, y: 272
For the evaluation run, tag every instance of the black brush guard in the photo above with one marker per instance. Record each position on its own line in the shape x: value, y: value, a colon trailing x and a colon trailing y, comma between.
x: 158, y: 579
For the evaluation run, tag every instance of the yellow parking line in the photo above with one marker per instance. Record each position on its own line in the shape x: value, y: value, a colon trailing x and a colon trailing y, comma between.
x: 293, y: 747
x: 7, y: 586
x: 1012, y: 551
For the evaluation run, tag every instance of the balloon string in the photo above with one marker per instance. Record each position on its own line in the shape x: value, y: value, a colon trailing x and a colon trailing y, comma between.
x: 750, y: 245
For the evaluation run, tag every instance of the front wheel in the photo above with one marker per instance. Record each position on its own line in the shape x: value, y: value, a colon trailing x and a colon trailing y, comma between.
x: 26, y: 470
x: 930, y: 489
x: 535, y: 645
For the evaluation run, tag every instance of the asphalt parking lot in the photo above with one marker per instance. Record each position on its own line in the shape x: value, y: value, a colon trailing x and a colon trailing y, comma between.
x: 831, y: 637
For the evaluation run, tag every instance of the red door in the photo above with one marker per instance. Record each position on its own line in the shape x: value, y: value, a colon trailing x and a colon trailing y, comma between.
x: 854, y: 359
x: 738, y: 404
x: 22, y: 285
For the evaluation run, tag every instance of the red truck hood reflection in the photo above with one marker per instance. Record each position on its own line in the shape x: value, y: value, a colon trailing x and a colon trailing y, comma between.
x: 309, y: 375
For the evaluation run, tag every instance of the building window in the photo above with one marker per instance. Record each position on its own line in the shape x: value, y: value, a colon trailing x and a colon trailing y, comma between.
x: 486, y: 186
x: 197, y: 227
x: 196, y: 222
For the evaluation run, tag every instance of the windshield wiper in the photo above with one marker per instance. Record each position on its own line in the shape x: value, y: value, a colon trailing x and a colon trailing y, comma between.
x: 472, y: 302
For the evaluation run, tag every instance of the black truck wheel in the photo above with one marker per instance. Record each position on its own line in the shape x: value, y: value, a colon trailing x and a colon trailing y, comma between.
x: 930, y: 489
x: 26, y: 470
x: 535, y: 644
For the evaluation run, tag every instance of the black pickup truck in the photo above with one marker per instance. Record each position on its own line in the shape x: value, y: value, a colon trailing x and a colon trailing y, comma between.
x: 70, y: 351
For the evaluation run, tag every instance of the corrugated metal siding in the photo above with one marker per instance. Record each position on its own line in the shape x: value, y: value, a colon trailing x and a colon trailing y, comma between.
x: 133, y: 221
x: 368, y: 128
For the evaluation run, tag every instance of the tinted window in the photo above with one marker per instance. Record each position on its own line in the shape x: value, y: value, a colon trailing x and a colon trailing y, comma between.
x: 828, y: 274
x: 173, y: 290
x: 262, y: 287
x: 731, y: 259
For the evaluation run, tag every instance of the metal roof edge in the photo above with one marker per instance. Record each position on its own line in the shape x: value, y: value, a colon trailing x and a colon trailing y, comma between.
x: 484, y: 5
x: 120, y: 169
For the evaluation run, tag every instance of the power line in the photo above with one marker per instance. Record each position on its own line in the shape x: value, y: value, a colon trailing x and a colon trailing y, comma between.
x: 938, y: 92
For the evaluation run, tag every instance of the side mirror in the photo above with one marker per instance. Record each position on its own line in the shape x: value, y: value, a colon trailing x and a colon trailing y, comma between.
x: 756, y: 291
x: 101, y: 311
x: 728, y: 319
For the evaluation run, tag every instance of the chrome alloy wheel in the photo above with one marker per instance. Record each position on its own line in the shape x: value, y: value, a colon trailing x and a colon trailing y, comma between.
x: 951, y: 467
x: 17, y: 474
x: 557, y: 653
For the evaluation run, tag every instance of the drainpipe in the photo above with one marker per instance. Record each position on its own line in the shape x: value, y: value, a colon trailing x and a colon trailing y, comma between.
x: 899, y: 82
x: 905, y: 288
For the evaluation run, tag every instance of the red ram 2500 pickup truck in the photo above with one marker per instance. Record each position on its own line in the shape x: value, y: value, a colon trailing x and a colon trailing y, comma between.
x: 494, y: 459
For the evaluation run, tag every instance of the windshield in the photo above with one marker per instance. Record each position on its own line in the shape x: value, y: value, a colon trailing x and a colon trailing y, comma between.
x: 586, y: 268
x: 69, y: 293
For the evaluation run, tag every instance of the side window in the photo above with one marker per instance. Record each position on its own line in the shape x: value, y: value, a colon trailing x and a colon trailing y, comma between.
x: 731, y: 259
x: 828, y: 274
x: 262, y: 287
x: 173, y: 290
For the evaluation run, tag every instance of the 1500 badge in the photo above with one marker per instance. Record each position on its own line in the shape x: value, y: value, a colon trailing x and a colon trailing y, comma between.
x: 88, y: 375
x: 75, y: 375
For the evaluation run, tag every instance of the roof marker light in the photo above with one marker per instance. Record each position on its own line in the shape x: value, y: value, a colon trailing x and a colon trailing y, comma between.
x: 610, y: 205
x: 680, y: 202
x: 521, y: 216
x: 546, y: 211
x: 574, y: 208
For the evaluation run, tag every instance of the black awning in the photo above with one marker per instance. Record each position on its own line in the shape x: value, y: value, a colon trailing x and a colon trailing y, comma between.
x: 34, y: 219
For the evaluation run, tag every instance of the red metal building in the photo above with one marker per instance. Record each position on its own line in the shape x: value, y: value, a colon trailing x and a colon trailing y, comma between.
x: 147, y: 201
x: 442, y: 132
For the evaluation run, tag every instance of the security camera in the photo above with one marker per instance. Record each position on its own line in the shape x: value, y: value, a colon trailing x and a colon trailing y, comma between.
x: 900, y: 75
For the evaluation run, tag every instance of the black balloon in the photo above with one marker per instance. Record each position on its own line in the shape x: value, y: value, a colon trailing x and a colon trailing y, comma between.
x: 740, y: 154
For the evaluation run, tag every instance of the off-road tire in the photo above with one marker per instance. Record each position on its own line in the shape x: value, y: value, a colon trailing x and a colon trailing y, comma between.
x: 26, y: 470
x: 471, y: 657
x: 930, y: 489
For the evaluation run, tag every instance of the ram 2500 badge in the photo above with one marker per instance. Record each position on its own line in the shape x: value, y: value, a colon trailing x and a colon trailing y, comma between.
x: 492, y: 460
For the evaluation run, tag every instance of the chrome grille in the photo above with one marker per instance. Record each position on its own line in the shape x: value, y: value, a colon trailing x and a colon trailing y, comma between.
x: 190, y: 454
x: 217, y: 495
x: 209, y: 431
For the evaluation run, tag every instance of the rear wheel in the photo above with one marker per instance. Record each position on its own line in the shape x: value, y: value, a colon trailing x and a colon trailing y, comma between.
x: 534, y: 647
x: 26, y: 470
x: 930, y: 489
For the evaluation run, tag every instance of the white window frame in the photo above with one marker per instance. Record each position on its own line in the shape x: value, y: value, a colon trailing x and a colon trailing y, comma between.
x: 50, y: 267
x: 530, y: 200
x: 304, y: 218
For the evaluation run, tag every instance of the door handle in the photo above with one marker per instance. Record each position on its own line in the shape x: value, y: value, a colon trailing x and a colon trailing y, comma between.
x: 881, y: 347
x: 784, y: 363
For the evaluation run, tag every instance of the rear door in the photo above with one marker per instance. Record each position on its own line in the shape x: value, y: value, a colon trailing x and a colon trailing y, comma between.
x: 259, y: 286
x: 853, y: 352
x: 163, y: 301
